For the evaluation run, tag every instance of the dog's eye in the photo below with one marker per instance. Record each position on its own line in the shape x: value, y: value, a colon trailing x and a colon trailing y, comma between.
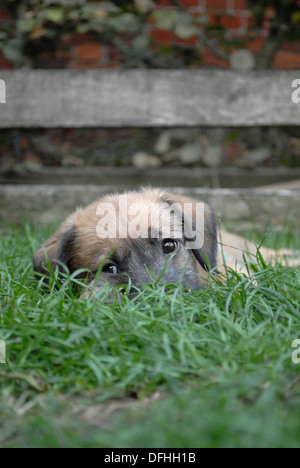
x: 169, y: 246
x: 110, y: 269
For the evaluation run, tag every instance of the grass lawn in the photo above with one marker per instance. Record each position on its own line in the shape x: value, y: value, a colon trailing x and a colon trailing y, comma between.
x: 168, y: 369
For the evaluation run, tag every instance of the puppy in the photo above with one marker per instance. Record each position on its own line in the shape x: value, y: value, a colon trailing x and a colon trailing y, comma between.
x: 138, y: 236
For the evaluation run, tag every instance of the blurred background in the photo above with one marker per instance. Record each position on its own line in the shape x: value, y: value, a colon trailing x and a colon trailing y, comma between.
x: 237, y: 35
x: 148, y: 33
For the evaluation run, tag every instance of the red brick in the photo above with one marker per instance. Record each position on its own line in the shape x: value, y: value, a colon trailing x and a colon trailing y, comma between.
x: 78, y: 65
x: 284, y: 60
x: 5, y: 15
x: 241, y: 5
x: 110, y: 65
x: 190, y: 3
x: 75, y: 39
x: 114, y: 55
x: 246, y: 21
x: 213, y: 19
x: 165, y: 37
x: 210, y: 60
x: 256, y: 44
x: 293, y: 46
x: 86, y: 64
x: 270, y: 12
x: 216, y: 4
x: 62, y: 54
x: 187, y: 3
x: 193, y: 41
x: 231, y: 22
x: 5, y: 64
x: 88, y: 51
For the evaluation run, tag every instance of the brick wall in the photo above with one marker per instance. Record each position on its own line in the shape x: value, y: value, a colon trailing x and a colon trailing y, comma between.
x: 84, y: 51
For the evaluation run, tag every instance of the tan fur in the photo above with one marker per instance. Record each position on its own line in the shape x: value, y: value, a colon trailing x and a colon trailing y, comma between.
x: 76, y: 241
x: 234, y: 250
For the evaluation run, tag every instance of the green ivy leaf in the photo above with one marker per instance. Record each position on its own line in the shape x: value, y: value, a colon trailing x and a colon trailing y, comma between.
x: 126, y: 22
x: 185, y: 31
x: 165, y: 19
x: 141, y: 43
x: 83, y: 28
x: 202, y: 19
x: 296, y: 17
x: 56, y: 15
x: 144, y: 5
x: 12, y: 50
x: 26, y: 25
x: 258, y: 13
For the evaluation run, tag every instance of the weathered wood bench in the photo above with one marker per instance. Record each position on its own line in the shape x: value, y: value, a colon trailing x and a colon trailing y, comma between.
x: 147, y: 98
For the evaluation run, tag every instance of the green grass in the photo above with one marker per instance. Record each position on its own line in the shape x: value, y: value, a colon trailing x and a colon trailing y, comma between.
x: 219, y: 360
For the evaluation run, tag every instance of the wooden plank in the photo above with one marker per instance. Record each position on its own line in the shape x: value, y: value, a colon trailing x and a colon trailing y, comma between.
x: 48, y: 203
x: 146, y: 98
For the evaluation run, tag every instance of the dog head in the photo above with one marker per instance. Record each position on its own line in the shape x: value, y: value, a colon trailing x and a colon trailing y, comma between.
x: 136, y: 237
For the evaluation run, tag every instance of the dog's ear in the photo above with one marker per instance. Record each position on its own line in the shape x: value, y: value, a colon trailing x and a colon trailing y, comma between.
x: 203, y: 242
x: 207, y: 254
x: 57, y: 250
